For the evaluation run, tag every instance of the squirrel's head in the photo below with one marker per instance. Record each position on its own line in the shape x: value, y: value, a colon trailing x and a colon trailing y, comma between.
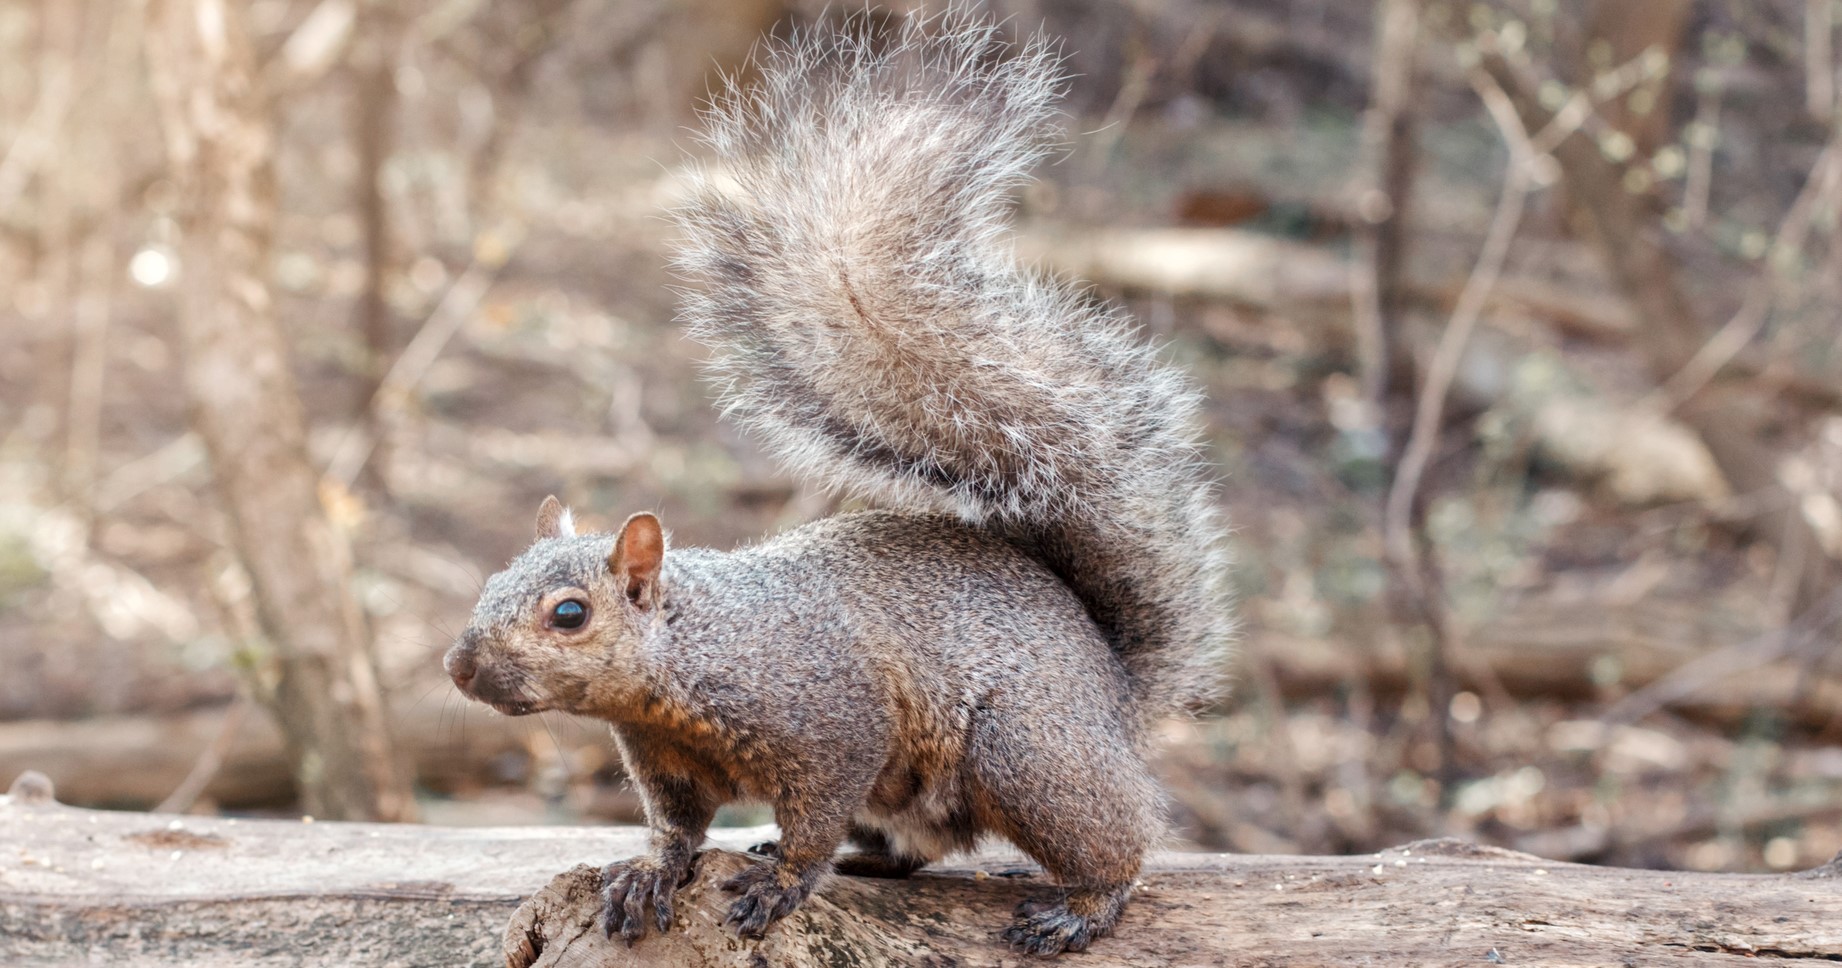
x: 561, y: 625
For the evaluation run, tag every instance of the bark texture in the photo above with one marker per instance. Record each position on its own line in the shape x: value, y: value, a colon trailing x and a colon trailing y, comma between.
x: 309, y: 655
x: 149, y: 890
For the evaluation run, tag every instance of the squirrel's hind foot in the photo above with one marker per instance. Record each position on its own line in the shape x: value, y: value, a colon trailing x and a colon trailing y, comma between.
x: 1050, y: 926
x: 769, y: 892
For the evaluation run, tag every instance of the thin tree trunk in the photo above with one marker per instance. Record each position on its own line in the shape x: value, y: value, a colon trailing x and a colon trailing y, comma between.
x: 374, y: 111
x: 1389, y: 371
x: 29, y: 159
x: 85, y: 169
x: 1820, y: 58
x: 1390, y: 133
x: 1619, y: 31
x: 312, y: 666
x: 374, y: 94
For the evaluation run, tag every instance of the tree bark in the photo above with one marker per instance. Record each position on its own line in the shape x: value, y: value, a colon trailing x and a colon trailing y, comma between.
x: 311, y: 664
x: 153, y: 890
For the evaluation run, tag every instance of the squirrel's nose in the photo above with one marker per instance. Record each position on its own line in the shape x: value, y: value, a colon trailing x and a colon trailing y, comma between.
x: 460, y: 665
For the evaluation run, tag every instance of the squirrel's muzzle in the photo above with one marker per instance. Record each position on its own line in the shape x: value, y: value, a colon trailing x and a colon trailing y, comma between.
x: 493, y: 684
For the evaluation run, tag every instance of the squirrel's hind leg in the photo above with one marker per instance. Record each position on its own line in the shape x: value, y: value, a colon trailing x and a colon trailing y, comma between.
x: 1081, y: 802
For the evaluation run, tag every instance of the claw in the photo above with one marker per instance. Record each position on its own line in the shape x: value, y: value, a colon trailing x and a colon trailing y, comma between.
x: 662, y: 911
x: 629, y: 889
x: 633, y: 925
x: 763, y: 900
x: 1049, y: 928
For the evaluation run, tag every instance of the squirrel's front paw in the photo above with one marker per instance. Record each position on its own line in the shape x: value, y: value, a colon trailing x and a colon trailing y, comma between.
x: 769, y: 893
x: 628, y: 888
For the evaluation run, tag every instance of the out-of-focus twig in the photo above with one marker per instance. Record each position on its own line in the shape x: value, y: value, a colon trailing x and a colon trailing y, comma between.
x: 165, y: 463
x: 1819, y: 58
x: 95, y: 272
x: 316, y: 45
x: 56, y: 90
x: 452, y: 312
x: 1698, y: 185
x: 1820, y: 194
x: 1805, y: 635
x: 1511, y: 202
x: 210, y: 759
x: 89, y: 265
x: 1407, y: 547
x: 1527, y: 150
x: 1141, y: 67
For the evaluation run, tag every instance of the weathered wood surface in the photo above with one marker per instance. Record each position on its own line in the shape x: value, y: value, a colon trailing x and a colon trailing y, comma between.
x: 88, y: 887
x: 100, y: 887
x: 1433, y: 903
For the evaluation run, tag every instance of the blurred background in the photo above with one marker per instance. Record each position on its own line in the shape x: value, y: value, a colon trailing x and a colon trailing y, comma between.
x: 1519, y: 322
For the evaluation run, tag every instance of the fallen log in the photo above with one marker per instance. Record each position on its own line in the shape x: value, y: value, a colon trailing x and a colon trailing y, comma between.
x: 1590, y: 651
x: 134, y: 762
x: 81, y: 886
x: 1264, y: 272
x: 1234, y: 265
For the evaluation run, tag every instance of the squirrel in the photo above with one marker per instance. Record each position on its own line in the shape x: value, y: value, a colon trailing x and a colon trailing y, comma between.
x: 988, y: 651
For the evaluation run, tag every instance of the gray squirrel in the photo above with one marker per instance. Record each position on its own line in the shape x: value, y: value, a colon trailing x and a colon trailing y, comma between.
x: 988, y: 653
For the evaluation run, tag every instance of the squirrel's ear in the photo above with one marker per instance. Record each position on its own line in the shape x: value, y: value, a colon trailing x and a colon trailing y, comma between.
x: 637, y: 555
x: 554, y: 520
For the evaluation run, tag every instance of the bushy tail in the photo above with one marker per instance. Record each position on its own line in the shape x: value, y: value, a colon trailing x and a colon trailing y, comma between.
x: 851, y: 270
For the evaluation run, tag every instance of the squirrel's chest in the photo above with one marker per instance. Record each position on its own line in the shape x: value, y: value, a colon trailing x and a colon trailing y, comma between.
x: 687, y: 750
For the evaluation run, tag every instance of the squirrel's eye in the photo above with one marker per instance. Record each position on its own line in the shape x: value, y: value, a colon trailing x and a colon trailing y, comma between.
x: 569, y: 615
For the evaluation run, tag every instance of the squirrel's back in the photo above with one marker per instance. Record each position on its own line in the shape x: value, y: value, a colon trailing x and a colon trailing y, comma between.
x: 909, y: 594
x: 871, y: 323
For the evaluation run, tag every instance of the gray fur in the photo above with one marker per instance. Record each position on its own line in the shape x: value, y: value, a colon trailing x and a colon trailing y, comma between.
x: 987, y: 655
